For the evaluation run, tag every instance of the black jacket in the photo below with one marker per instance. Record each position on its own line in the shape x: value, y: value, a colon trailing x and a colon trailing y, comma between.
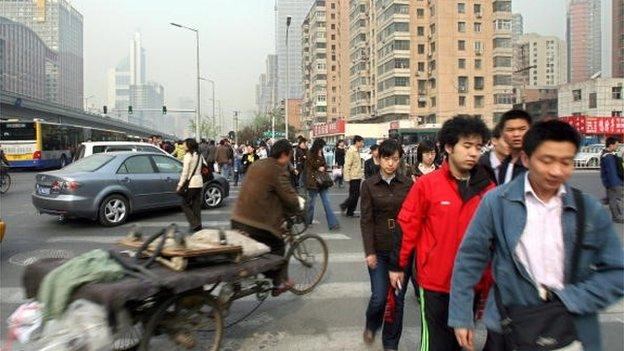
x: 370, y: 168
x: 339, y: 155
x: 518, y: 169
x: 487, y: 165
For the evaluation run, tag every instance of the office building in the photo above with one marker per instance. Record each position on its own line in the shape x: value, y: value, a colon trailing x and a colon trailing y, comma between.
x: 600, y: 97
x: 429, y: 60
x: 266, y: 89
x: 325, y: 62
x: 118, y: 96
x: 59, y: 26
x: 617, y: 37
x: 541, y: 60
x: 297, y: 10
x: 583, y: 36
x: 147, y: 101
x: 26, y: 77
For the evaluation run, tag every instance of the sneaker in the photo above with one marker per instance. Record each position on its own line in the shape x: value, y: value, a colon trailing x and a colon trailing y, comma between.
x: 353, y: 215
x: 282, y: 288
x: 334, y: 228
x: 343, y: 208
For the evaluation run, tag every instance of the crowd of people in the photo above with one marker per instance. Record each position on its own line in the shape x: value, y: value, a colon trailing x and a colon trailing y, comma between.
x: 499, y: 235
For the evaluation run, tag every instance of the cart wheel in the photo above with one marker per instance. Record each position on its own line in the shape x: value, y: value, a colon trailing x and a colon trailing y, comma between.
x: 307, y: 263
x: 184, y: 322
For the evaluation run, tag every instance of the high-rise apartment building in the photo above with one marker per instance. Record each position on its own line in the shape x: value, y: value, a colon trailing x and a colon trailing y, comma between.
x: 325, y: 62
x: 26, y: 77
x: 430, y: 60
x: 617, y: 38
x: 59, y: 26
x: 297, y: 10
x: 266, y: 89
x: 583, y: 36
x: 541, y: 60
x: 517, y: 27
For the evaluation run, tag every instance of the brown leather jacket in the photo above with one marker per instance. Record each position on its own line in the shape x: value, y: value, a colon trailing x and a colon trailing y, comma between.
x: 312, y: 164
x: 266, y: 196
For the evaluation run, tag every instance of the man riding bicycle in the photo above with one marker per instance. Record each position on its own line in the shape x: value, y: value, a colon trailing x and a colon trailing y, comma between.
x: 4, y: 162
x: 266, y: 198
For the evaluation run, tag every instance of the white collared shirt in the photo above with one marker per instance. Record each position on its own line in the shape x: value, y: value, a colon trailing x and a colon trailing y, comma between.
x: 496, y: 163
x: 540, y: 248
x: 509, y: 173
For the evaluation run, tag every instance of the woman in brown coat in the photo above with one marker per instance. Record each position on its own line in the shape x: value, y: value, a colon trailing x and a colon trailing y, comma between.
x: 315, y: 166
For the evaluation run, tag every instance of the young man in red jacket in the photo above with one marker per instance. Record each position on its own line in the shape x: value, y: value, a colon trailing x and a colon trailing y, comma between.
x: 433, y: 220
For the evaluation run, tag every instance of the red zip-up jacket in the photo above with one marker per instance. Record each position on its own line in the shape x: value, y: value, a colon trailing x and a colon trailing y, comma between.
x: 433, y: 220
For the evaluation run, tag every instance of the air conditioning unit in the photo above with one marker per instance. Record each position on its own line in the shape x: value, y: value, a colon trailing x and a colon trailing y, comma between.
x: 478, y: 15
x: 478, y: 52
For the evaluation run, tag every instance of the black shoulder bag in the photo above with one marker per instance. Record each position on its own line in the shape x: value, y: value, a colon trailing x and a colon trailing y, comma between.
x: 548, y: 326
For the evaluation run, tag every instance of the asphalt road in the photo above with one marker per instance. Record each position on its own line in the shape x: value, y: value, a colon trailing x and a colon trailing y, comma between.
x: 330, y: 318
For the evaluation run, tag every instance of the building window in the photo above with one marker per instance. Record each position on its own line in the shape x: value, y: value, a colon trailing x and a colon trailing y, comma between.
x: 333, y: 16
x: 421, y: 66
x: 478, y: 63
x: 461, y: 27
x: 502, y: 61
x: 333, y: 37
x: 333, y: 6
x: 433, y: 102
x: 500, y: 79
x: 479, y: 82
x: 477, y: 27
x: 432, y: 84
x: 616, y: 93
x: 420, y: 13
x: 478, y: 101
x: 576, y: 95
x: 420, y: 31
x: 592, y: 100
x: 422, y: 87
x: 461, y: 7
x: 462, y: 101
x: 461, y: 63
x: 433, y: 47
x: 462, y: 84
x: 333, y: 26
x: 421, y: 48
x: 478, y: 46
x: 461, y: 45
x: 477, y: 9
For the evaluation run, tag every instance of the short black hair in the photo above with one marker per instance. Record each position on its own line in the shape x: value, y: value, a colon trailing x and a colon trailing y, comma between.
x: 281, y: 147
x: 191, y: 144
x: 497, y: 131
x: 374, y: 147
x: 388, y: 148
x: 514, y: 114
x: 317, y: 145
x: 462, y: 126
x: 611, y: 140
x: 357, y: 138
x: 424, y: 146
x: 549, y: 130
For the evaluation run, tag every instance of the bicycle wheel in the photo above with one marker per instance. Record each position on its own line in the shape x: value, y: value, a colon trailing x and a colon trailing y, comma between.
x: 307, y: 263
x: 184, y: 322
x: 5, y: 183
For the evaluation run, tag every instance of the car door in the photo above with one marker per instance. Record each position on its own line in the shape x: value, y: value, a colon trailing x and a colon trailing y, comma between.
x: 138, y: 174
x: 169, y: 169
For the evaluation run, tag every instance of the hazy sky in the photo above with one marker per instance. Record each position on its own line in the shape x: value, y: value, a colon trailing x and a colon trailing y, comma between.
x: 235, y: 37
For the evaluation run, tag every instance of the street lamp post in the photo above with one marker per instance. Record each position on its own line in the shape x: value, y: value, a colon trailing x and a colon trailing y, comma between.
x: 288, y: 19
x: 197, y: 129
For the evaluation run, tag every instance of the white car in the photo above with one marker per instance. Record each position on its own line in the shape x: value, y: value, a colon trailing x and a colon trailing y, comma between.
x: 97, y: 147
x: 589, y: 156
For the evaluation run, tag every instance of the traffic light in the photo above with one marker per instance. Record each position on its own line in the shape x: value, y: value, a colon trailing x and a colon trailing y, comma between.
x: 164, y: 110
x: 105, y: 109
x: 129, y: 109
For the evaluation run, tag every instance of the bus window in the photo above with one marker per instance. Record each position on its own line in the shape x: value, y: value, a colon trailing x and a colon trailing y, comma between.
x: 18, y: 131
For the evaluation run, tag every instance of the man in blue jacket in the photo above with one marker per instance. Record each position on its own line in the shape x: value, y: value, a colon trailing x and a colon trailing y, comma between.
x: 526, y: 229
x: 612, y: 180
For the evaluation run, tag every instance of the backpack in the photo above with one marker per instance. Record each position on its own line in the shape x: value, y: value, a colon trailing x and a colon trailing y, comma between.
x: 619, y: 166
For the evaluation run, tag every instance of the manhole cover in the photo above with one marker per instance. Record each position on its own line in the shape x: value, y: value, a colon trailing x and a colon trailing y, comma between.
x: 30, y: 257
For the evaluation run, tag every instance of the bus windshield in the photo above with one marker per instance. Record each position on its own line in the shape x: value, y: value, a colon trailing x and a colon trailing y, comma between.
x: 18, y: 131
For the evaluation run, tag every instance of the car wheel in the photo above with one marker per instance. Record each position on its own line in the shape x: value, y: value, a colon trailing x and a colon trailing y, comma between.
x: 213, y: 196
x: 114, y: 210
x: 63, y: 161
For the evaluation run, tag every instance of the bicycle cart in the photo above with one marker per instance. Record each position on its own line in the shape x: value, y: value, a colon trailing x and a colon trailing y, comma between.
x: 184, y: 310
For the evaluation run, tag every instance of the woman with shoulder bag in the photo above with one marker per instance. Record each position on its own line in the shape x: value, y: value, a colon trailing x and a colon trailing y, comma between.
x: 318, y: 182
x: 191, y: 184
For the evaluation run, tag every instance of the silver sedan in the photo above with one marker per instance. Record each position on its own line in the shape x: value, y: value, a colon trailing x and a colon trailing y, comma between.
x: 109, y: 187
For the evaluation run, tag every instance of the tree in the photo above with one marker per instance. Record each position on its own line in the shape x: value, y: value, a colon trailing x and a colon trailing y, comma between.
x: 206, y: 129
x: 261, y: 123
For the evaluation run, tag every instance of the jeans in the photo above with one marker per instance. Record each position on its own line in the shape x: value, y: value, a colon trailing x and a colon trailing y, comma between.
x: 332, y: 221
x: 380, y: 283
x: 616, y: 203
x: 351, y: 202
x: 225, y: 170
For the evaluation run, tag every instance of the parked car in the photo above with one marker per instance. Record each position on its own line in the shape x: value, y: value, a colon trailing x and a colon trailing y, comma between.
x: 96, y: 147
x: 109, y: 187
x: 589, y: 156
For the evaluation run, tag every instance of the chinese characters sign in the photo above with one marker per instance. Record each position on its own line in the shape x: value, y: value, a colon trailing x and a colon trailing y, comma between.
x: 596, y: 125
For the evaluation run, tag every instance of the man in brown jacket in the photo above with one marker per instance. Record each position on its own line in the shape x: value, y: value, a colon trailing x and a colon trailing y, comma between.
x: 266, y: 196
x: 223, y: 157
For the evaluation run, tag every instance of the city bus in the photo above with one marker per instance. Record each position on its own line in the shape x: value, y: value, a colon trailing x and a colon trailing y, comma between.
x: 40, y: 144
x: 411, y: 136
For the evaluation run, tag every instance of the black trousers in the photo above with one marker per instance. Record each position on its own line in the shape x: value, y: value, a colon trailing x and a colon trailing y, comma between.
x: 277, y: 245
x: 191, y: 205
x: 354, y: 195
x: 436, y: 334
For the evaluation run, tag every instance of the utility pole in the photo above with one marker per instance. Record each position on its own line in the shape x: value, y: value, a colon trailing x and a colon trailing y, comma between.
x: 288, y: 19
x: 236, y: 127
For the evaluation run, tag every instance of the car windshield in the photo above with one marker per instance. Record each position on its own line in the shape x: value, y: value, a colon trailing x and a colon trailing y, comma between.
x: 89, y: 164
